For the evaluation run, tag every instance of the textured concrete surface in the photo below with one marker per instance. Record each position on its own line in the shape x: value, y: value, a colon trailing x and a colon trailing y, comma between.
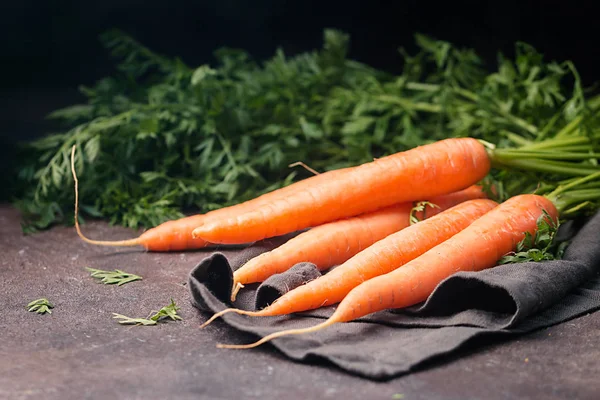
x: 80, y: 352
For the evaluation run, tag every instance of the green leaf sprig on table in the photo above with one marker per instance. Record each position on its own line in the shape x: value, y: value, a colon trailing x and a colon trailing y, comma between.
x: 169, y: 311
x: 116, y: 277
x: 40, y: 306
x: 160, y: 137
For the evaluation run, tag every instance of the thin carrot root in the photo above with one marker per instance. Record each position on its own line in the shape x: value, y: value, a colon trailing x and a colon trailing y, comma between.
x: 276, y: 335
x: 236, y: 288
x: 306, y: 167
x: 227, y: 311
x: 127, y: 242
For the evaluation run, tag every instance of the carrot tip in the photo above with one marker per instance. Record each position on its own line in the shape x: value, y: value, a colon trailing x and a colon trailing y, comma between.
x: 236, y: 346
x: 236, y: 288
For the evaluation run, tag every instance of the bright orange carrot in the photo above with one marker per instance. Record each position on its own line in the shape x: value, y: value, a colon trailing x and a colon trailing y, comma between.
x: 176, y: 235
x: 380, y: 258
x: 477, y: 247
x: 335, y: 242
x: 420, y: 173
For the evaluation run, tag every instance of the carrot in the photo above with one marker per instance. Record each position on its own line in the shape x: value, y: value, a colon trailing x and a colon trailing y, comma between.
x: 420, y: 173
x: 176, y: 235
x: 477, y: 247
x: 335, y: 242
x: 380, y: 258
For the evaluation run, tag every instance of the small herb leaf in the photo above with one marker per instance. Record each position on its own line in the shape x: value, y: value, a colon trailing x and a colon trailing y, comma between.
x: 540, y: 246
x: 420, y: 207
x: 169, y: 311
x: 117, y: 276
x: 40, y: 306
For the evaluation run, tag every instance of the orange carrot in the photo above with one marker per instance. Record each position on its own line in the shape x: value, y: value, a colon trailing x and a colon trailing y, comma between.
x: 477, y: 247
x: 176, y: 235
x: 335, y: 242
x: 420, y: 173
x: 380, y: 258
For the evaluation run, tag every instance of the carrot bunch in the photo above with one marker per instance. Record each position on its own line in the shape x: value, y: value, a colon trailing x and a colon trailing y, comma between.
x: 360, y: 218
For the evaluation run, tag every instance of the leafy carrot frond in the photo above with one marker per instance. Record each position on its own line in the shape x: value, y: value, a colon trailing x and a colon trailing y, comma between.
x: 117, y: 276
x: 174, y: 137
x: 169, y: 311
x: 40, y: 306
x: 540, y: 246
x: 420, y: 207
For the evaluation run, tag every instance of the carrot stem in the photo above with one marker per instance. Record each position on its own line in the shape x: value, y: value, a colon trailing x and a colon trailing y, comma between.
x: 546, y: 166
x: 561, y: 142
x: 544, y: 154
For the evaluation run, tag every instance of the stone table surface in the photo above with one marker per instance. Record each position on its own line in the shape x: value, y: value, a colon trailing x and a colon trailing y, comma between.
x: 80, y: 352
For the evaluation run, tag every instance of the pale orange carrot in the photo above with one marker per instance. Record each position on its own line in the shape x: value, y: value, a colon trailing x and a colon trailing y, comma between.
x: 382, y: 257
x: 477, y: 247
x: 333, y: 243
x: 431, y: 170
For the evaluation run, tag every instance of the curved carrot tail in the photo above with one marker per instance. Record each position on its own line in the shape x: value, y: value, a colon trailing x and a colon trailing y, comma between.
x: 231, y: 310
x: 276, y: 335
x: 127, y: 242
x: 169, y: 236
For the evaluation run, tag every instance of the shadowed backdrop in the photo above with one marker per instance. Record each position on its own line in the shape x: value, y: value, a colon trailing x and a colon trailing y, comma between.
x: 49, y: 48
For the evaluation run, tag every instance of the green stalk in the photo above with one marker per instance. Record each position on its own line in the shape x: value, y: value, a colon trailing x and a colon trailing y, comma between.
x: 423, y: 87
x: 569, y: 201
x: 546, y: 129
x: 545, y: 166
x: 576, y: 182
x: 575, y: 148
x: 546, y: 155
x: 426, y: 107
x: 570, y: 127
x: 561, y: 142
x: 516, y: 138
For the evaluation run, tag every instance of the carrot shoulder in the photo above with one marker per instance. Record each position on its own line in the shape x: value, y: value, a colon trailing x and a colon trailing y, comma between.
x: 382, y: 257
x: 477, y: 247
x: 431, y: 170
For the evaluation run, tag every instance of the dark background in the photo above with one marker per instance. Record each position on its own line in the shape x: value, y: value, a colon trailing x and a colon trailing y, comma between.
x: 48, y: 47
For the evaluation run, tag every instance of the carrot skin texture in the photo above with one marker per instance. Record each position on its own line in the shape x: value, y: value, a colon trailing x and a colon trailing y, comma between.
x: 477, y: 247
x: 431, y: 170
x: 388, y: 254
x: 335, y: 242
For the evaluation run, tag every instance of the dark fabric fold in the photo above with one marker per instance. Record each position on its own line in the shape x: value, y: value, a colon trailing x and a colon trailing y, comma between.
x: 279, y: 284
x: 502, y: 301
